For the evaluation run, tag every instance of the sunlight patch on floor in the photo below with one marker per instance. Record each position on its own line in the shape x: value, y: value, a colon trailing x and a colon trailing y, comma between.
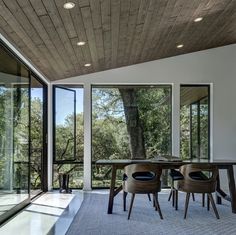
x: 41, y: 216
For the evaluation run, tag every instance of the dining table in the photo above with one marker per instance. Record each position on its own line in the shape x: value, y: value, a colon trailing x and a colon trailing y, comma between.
x: 172, y: 163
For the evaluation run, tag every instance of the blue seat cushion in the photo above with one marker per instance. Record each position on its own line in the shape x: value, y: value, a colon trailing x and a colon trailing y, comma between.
x: 144, y: 176
x: 176, y: 175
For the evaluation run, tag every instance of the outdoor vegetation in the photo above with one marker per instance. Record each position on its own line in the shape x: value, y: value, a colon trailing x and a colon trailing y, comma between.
x: 194, y: 131
x: 129, y: 122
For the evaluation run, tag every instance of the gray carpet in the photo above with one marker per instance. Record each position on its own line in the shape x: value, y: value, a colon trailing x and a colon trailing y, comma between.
x: 92, y: 218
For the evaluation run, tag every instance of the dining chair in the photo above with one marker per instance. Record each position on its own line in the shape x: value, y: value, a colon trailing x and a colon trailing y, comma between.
x: 195, y: 182
x: 142, y: 178
x: 175, y: 175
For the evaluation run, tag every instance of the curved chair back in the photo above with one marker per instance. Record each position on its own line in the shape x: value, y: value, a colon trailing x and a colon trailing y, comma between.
x: 142, y: 178
x: 195, y: 181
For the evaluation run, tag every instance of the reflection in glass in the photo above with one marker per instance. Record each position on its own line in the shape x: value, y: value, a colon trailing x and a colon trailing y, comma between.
x: 75, y: 172
x: 194, y: 122
x: 14, y: 132
x: 36, y: 136
x: 65, y: 124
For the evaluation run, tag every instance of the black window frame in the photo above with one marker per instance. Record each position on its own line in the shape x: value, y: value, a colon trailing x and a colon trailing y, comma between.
x: 208, y: 86
x: 55, y: 161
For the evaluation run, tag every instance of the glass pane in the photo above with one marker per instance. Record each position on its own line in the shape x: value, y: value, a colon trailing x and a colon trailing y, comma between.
x: 36, y: 136
x: 14, y: 132
x: 204, y: 128
x: 194, y: 122
x: 75, y: 172
x: 75, y: 169
x: 64, y: 124
x: 129, y: 122
x: 194, y: 131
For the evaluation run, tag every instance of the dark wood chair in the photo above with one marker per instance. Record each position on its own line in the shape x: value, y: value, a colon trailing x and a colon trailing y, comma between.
x: 142, y: 179
x: 175, y: 175
x: 196, y: 181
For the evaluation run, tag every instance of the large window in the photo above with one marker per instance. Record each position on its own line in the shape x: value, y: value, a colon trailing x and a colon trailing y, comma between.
x: 129, y: 122
x: 21, y: 134
x: 68, y: 135
x: 194, y: 120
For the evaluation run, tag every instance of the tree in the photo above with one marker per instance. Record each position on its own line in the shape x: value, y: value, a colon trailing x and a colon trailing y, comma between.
x: 133, y: 123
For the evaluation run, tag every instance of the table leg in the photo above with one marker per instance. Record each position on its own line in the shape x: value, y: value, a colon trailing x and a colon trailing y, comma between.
x: 232, y: 190
x: 112, y: 190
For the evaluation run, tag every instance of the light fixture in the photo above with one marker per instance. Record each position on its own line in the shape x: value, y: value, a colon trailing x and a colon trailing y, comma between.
x: 180, y: 46
x: 198, y: 19
x: 81, y: 43
x: 69, y: 5
x: 87, y: 65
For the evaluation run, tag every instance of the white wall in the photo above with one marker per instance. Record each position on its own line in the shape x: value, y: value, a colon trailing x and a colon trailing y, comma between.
x: 215, y: 66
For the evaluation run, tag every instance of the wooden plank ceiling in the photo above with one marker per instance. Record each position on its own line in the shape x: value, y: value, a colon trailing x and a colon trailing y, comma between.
x: 117, y: 32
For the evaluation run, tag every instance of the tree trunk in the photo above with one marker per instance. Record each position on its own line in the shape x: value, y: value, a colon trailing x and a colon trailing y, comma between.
x: 133, y: 122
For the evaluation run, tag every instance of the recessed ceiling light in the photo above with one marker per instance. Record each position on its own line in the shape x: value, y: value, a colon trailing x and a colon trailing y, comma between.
x: 198, y: 19
x: 180, y: 46
x: 87, y: 65
x: 81, y: 43
x: 69, y: 5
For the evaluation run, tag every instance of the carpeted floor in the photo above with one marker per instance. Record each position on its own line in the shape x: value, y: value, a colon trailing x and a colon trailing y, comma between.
x: 92, y: 218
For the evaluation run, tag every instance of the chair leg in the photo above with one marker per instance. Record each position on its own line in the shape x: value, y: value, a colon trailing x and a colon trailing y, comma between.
x: 213, y: 205
x: 153, y: 201
x: 149, y: 197
x: 208, y: 202
x: 131, y: 205
x: 203, y: 200
x: 155, y: 197
x: 186, y: 205
x: 124, y: 200
x: 176, y: 199
x: 173, y: 197
x: 193, y: 197
x: 171, y: 191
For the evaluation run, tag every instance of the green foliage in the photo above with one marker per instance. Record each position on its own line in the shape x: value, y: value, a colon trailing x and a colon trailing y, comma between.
x: 155, y: 113
x: 198, y: 133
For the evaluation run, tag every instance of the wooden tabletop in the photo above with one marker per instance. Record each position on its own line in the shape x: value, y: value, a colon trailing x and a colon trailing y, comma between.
x: 175, y: 162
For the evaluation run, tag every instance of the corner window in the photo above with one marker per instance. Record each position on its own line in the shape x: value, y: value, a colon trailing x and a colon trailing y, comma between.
x: 194, y: 121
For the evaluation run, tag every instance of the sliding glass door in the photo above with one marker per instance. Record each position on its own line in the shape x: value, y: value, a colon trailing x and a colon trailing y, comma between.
x: 37, y: 136
x: 14, y: 132
x: 22, y: 134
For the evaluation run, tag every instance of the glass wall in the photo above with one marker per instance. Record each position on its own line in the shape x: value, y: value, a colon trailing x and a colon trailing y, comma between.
x: 129, y: 122
x: 14, y: 132
x: 16, y: 123
x: 37, y: 148
x: 68, y: 135
x: 194, y: 121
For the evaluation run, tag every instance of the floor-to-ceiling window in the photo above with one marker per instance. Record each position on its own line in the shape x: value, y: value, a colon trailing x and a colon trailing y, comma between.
x: 194, y: 121
x: 18, y: 111
x: 68, y: 134
x: 129, y: 122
